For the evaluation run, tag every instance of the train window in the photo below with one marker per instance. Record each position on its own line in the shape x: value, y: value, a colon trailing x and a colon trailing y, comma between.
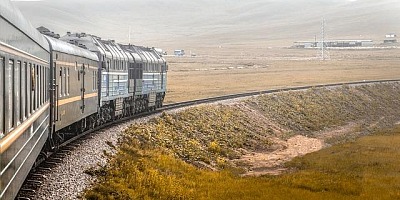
x: 46, y: 86
x: 65, y: 81
x: 60, y: 83
x: 23, y: 92
x: 26, y: 89
x: 33, y: 79
x: 37, y: 92
x: 93, y: 81
x: 79, y: 75
x: 2, y: 117
x: 17, y: 76
x: 141, y: 71
x: 43, y: 85
x: 9, y: 96
x: 39, y: 85
x: 36, y: 88
x: 97, y: 79
x: 45, y: 82
x: 68, y: 86
x: 29, y: 88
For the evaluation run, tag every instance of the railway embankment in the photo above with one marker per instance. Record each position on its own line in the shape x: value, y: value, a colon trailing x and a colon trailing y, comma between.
x: 232, y: 149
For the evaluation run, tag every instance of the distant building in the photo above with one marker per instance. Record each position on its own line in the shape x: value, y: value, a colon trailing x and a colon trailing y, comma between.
x: 179, y: 52
x: 390, y: 38
x: 334, y: 43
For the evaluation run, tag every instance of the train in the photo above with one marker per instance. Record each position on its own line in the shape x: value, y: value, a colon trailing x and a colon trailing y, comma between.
x: 55, y: 89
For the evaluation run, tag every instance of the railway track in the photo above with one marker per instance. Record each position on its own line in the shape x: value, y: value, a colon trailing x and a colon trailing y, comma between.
x: 239, y: 95
x: 38, y: 174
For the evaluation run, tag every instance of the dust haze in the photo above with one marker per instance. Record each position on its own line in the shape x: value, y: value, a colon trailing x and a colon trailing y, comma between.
x: 179, y: 23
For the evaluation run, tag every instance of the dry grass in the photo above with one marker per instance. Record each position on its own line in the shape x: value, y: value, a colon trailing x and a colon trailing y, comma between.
x: 229, y: 70
x: 364, y: 169
x: 153, y: 159
x: 310, y: 111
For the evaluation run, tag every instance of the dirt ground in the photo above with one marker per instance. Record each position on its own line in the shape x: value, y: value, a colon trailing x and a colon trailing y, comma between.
x: 272, y: 162
x: 261, y: 163
x: 226, y: 70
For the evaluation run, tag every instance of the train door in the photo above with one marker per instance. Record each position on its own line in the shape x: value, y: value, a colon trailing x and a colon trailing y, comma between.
x: 131, y: 77
x: 54, y: 95
x: 162, y: 76
x: 83, y: 88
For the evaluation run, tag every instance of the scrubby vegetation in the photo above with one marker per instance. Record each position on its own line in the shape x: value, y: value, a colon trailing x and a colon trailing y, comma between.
x: 165, y: 158
x: 309, y: 111
x: 365, y: 169
x: 206, y: 136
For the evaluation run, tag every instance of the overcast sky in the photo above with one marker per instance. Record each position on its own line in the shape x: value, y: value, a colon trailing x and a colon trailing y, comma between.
x: 207, y: 22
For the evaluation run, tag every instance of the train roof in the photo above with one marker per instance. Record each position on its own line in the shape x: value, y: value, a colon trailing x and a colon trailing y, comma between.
x: 144, y: 54
x: 13, y: 15
x: 64, y: 47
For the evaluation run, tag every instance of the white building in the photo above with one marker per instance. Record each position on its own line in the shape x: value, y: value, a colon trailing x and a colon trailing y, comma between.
x: 179, y: 52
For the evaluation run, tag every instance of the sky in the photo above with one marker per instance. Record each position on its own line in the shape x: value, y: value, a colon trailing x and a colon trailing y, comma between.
x: 216, y: 22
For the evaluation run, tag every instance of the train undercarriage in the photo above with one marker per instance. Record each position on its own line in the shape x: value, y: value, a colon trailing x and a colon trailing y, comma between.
x: 110, y: 111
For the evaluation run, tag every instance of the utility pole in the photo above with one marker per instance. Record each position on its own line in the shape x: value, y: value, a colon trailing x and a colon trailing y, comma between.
x: 323, y: 39
x: 324, y: 51
x: 129, y: 35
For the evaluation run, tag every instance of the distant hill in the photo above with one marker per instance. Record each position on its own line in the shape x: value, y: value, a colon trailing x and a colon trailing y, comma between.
x: 175, y: 23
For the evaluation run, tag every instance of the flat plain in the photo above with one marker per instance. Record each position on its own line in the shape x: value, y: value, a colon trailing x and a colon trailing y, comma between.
x: 220, y: 70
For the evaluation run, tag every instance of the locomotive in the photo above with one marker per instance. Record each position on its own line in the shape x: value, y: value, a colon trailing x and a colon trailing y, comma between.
x: 54, y: 89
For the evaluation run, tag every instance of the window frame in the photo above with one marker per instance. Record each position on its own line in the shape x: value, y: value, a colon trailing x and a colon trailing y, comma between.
x: 17, y: 90
x: 9, y: 96
x: 68, y: 81
x: 2, y: 99
x: 23, y: 91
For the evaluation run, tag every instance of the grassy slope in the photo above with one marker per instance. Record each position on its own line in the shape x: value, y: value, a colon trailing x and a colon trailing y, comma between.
x: 364, y: 169
x: 149, y: 161
x: 314, y: 110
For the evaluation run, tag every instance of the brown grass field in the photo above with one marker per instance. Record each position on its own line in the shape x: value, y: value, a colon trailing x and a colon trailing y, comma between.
x: 225, y: 70
x: 202, y: 152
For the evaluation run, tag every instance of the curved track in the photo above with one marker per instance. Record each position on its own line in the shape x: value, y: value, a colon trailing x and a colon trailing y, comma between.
x: 34, y: 179
x: 233, y: 96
